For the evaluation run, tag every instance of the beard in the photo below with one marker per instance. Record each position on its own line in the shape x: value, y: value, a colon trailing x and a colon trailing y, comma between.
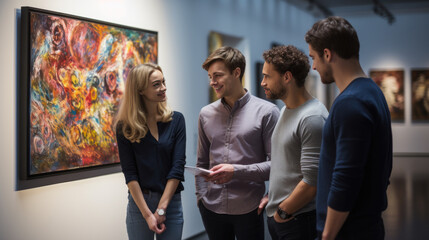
x: 279, y: 93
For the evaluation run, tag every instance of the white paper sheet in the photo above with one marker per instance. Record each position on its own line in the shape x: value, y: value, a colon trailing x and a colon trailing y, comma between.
x: 197, y: 170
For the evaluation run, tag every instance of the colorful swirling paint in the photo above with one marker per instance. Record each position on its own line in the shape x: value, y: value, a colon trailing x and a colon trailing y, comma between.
x: 77, y: 74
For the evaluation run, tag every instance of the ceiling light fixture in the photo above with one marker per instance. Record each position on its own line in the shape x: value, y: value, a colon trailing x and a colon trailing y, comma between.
x: 382, y: 11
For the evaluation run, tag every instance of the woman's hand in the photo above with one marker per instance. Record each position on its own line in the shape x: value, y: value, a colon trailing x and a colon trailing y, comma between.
x: 153, y: 224
x: 159, y: 219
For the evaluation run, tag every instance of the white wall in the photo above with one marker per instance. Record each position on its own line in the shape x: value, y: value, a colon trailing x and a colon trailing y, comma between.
x: 95, y: 208
x: 404, y: 44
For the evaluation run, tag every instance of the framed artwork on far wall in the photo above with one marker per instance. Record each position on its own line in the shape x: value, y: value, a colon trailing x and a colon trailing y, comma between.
x: 260, y: 92
x: 217, y: 40
x: 391, y: 82
x: 420, y: 95
x: 72, y: 76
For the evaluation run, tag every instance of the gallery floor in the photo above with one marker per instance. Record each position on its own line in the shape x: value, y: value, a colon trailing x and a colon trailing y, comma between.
x: 407, y: 216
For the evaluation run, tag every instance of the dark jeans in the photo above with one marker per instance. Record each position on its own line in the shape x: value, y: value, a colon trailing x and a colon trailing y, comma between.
x: 137, y: 227
x: 248, y: 226
x: 303, y: 226
x: 356, y: 228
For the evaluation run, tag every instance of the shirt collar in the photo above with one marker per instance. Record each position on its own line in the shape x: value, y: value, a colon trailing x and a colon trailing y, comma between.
x: 239, y: 103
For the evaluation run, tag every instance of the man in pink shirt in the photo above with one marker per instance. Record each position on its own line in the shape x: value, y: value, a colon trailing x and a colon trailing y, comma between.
x: 235, y: 143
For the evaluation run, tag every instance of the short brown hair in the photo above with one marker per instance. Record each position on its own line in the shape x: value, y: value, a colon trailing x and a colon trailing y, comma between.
x: 230, y: 56
x: 335, y: 34
x: 289, y: 58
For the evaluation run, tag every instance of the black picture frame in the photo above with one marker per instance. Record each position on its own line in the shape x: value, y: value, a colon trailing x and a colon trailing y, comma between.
x: 64, y: 56
x: 276, y: 44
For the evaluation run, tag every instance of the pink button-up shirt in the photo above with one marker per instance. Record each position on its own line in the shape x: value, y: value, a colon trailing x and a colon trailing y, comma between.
x: 240, y: 136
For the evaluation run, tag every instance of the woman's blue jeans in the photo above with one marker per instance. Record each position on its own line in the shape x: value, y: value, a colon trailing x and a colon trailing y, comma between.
x: 137, y: 227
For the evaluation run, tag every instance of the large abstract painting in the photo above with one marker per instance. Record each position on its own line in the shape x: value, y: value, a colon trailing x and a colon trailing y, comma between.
x: 73, y: 74
x: 420, y: 94
x: 391, y: 83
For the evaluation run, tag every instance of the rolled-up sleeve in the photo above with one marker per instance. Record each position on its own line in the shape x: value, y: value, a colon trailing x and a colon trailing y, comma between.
x: 179, y: 150
x: 126, y: 156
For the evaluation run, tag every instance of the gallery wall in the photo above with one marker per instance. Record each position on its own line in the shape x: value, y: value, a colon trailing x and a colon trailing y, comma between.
x: 94, y: 208
x: 402, y: 45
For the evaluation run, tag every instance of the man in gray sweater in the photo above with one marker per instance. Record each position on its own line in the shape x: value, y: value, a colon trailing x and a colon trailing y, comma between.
x: 295, y: 145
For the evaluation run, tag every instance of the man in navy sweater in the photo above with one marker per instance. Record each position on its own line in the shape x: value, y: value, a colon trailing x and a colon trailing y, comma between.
x: 356, y: 152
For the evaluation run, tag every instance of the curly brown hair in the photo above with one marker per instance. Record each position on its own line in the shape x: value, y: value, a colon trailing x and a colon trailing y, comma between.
x: 289, y: 58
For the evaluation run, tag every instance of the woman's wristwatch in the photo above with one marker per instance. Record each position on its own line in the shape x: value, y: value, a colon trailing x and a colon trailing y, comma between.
x: 160, y: 211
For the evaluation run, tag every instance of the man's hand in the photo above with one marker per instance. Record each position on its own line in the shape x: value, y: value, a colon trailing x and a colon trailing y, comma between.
x: 222, y: 173
x: 278, y: 219
x: 334, y: 222
x: 262, y: 204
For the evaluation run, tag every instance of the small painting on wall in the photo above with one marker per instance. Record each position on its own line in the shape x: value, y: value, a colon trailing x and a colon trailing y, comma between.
x: 420, y: 95
x: 217, y: 40
x: 391, y: 82
x: 258, y: 79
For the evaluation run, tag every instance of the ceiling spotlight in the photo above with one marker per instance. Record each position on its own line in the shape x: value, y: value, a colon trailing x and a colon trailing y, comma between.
x: 382, y: 11
x: 326, y: 12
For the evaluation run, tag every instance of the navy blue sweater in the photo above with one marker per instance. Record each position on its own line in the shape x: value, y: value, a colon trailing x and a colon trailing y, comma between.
x: 356, y: 156
x: 153, y: 162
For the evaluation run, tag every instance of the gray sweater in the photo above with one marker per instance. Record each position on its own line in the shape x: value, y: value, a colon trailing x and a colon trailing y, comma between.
x: 295, y: 148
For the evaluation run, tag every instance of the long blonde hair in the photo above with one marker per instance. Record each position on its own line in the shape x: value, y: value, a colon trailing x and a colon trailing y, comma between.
x: 131, y: 116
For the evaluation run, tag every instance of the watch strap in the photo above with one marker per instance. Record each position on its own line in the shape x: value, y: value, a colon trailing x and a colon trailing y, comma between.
x: 283, y: 214
x: 160, y: 211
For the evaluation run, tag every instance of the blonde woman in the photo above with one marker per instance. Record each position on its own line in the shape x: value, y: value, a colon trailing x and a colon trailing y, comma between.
x: 151, y: 141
